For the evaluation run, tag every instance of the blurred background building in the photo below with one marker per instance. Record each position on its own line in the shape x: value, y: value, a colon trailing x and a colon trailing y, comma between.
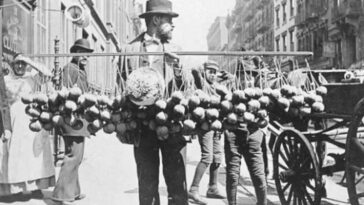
x: 31, y: 26
x: 217, y: 37
x: 250, y: 27
x: 285, y: 30
x: 332, y: 29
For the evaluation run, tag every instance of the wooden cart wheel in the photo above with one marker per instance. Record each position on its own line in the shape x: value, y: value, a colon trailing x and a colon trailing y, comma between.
x: 355, y: 157
x: 296, y: 170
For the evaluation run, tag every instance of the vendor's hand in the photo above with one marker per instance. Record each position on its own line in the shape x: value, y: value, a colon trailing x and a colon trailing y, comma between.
x: 20, y: 57
x: 38, y: 67
x: 6, y: 135
x: 172, y: 57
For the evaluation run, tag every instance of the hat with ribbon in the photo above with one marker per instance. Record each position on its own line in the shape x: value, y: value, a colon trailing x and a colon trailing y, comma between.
x: 81, y: 44
x: 158, y: 7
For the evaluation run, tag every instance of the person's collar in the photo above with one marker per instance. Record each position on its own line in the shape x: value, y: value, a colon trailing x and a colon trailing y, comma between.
x: 76, y: 63
x: 148, y: 39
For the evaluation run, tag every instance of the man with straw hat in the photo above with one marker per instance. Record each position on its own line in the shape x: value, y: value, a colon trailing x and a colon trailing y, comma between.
x: 158, y: 18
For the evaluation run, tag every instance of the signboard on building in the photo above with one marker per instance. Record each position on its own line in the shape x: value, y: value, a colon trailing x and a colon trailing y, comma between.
x: 329, y: 49
x: 16, y: 28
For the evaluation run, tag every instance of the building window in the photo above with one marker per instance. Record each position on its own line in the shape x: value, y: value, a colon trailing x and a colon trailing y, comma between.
x: 284, y: 13
x: 84, y: 34
x: 299, y: 11
x: 277, y: 17
x: 291, y: 40
x: 41, y: 28
x: 299, y: 44
x: 284, y: 42
x: 277, y: 44
x: 291, y: 8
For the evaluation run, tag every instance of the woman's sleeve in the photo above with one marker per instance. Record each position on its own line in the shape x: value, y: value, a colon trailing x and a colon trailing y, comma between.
x: 5, y: 119
x: 4, y: 106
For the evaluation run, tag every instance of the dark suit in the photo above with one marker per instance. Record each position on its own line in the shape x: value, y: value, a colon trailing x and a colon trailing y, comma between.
x: 147, y: 146
x: 68, y: 185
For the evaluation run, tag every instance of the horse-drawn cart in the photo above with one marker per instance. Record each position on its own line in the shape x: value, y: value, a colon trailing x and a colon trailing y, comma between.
x: 299, y: 165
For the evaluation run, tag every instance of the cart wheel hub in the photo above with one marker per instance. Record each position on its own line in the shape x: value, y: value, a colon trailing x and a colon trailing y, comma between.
x: 288, y: 175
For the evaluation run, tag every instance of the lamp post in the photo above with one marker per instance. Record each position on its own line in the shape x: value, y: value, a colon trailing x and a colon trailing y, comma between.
x: 57, y: 79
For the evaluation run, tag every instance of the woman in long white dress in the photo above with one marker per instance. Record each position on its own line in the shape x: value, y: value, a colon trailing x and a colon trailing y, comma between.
x: 26, y: 163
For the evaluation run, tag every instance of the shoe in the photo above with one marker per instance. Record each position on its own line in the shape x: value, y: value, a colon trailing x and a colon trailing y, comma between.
x: 68, y: 203
x: 37, y: 194
x: 6, y: 199
x: 214, y: 193
x: 20, y: 197
x: 80, y: 197
x: 195, y: 198
x: 323, y: 191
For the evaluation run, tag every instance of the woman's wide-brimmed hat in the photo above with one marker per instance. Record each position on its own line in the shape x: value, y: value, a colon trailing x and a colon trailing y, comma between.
x: 82, y: 44
x: 159, y: 7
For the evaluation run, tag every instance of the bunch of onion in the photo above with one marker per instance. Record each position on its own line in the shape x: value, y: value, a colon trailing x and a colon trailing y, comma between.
x: 169, y: 115
x: 290, y: 102
x: 104, y: 114
x: 55, y: 110
x: 37, y: 108
x: 245, y: 107
x: 120, y: 115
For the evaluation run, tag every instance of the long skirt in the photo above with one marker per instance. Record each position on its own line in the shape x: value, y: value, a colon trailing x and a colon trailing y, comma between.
x: 26, y: 161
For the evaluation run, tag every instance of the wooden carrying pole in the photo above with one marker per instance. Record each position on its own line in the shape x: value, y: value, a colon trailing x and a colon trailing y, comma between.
x: 182, y: 53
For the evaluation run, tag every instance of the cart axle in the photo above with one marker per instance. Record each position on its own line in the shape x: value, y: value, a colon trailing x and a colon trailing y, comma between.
x: 287, y: 175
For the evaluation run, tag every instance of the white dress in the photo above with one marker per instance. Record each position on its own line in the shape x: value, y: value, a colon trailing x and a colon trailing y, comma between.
x: 26, y: 161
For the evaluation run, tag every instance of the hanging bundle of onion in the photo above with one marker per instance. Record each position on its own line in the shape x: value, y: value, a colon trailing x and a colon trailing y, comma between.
x: 290, y: 102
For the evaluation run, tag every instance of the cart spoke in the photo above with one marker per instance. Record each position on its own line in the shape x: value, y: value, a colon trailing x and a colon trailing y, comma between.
x: 294, y: 199
x: 284, y: 158
x: 290, y: 145
x: 360, y: 195
x: 308, y: 196
x: 302, y: 193
x: 295, y: 145
x: 282, y: 166
x: 304, y: 162
x: 304, y: 199
x: 356, y: 183
x: 290, y: 195
x: 310, y: 186
x: 357, y: 169
x: 300, y: 155
x: 286, y: 187
x: 287, y: 152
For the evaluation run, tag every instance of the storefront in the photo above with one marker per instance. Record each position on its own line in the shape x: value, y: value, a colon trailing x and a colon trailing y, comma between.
x: 16, y: 30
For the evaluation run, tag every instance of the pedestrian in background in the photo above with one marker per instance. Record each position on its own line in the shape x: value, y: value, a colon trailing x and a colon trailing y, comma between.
x: 68, y: 188
x: 211, y: 149
x: 26, y: 156
x: 158, y: 18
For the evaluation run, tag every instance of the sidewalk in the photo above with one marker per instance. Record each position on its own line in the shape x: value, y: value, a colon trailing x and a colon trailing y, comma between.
x: 108, y: 176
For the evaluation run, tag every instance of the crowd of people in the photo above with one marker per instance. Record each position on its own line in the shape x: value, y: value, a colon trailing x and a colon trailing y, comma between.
x: 26, y: 157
